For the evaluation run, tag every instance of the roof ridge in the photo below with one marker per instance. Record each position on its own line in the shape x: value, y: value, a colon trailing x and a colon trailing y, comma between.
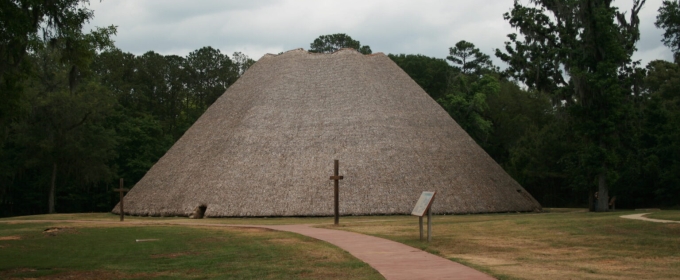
x: 269, y: 55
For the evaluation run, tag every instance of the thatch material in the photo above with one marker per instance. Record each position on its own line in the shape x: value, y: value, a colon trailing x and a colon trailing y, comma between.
x: 266, y: 147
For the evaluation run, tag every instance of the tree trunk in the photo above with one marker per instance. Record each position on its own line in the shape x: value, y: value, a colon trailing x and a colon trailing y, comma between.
x: 603, y: 192
x: 52, y: 189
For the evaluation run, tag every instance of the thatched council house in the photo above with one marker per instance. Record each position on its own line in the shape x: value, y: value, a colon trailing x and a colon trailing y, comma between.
x: 266, y: 147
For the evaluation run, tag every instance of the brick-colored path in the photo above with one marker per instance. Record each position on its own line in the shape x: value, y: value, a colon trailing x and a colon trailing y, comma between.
x: 392, y: 259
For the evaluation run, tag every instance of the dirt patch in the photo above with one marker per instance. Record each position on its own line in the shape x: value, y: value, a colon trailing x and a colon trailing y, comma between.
x: 253, y: 229
x: 173, y: 255
x: 18, y: 270
x: 12, y: 237
x: 286, y: 241
x: 483, y: 260
x: 54, y: 231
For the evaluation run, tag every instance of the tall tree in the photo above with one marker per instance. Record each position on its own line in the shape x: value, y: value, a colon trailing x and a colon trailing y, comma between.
x: 660, y: 148
x: 63, y: 131
x: 593, y: 42
x: 466, y: 102
x: 22, y: 22
x: 210, y: 74
x: 471, y: 81
x: 116, y: 70
x: 334, y: 42
x: 515, y: 113
x: 669, y: 19
x: 242, y: 62
x: 430, y: 73
x: 467, y: 59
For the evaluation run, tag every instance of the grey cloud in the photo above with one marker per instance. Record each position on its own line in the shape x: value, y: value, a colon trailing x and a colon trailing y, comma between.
x: 255, y: 27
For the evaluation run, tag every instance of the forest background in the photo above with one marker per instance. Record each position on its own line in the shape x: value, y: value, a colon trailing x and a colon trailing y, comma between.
x: 572, y: 113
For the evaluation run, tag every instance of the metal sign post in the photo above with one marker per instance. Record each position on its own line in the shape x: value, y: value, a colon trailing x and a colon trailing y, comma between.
x: 429, y: 221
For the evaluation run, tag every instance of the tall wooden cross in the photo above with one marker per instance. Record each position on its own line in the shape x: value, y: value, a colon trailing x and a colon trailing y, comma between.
x: 337, y: 179
x: 121, y: 190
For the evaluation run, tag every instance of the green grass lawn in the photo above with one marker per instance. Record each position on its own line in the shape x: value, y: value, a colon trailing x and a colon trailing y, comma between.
x: 101, y: 252
x: 558, y: 244
x: 673, y: 215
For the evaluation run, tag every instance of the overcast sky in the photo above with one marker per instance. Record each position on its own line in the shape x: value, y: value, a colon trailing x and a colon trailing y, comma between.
x: 272, y: 26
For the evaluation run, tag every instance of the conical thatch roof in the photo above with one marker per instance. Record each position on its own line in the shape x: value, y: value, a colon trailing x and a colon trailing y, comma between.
x: 266, y: 147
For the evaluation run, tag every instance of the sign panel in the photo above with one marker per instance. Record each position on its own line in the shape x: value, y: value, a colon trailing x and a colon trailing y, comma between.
x: 423, y: 204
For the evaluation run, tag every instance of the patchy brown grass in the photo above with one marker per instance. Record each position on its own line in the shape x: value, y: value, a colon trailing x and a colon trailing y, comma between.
x: 173, y: 255
x: 325, y: 253
x: 286, y: 241
x: 558, y: 245
x: 253, y: 229
x: 13, y: 237
x: 54, y: 231
x: 671, y: 215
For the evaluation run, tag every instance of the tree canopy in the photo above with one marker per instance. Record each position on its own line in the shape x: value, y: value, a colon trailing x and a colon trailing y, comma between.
x: 430, y: 73
x: 333, y: 42
x: 669, y: 19
x: 24, y: 24
x: 468, y: 59
x: 580, y: 51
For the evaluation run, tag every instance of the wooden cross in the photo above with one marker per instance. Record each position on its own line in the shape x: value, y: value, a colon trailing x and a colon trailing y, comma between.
x: 337, y: 179
x: 121, y: 190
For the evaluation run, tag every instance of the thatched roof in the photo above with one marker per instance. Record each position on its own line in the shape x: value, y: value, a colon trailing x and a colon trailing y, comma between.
x: 266, y: 147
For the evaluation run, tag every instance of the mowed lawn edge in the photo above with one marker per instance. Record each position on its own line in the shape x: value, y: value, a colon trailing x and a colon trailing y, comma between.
x: 671, y: 215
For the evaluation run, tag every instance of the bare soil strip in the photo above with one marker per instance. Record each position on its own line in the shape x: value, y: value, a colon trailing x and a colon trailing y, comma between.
x: 13, y: 237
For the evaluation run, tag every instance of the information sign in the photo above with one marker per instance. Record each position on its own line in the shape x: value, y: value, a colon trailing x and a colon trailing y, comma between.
x: 424, y: 203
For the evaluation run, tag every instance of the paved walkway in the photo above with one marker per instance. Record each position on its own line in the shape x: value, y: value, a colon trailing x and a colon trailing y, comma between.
x: 391, y: 259
x: 641, y: 218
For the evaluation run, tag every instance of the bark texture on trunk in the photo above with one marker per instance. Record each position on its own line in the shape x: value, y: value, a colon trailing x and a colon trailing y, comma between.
x: 50, y: 201
x: 603, y: 192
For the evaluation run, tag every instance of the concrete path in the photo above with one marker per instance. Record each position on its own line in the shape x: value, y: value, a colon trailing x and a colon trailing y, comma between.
x: 391, y: 259
x: 641, y: 218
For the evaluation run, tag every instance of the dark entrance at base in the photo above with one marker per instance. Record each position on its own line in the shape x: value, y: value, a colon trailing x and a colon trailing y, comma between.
x: 199, y: 212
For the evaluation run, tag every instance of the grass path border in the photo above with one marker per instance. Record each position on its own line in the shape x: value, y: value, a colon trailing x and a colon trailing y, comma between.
x: 641, y: 218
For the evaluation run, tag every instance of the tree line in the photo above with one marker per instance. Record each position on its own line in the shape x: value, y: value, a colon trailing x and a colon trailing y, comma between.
x: 77, y: 112
x: 572, y: 115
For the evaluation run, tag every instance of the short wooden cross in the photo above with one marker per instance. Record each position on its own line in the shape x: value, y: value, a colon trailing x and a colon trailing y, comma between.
x: 121, y: 190
x: 337, y: 179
